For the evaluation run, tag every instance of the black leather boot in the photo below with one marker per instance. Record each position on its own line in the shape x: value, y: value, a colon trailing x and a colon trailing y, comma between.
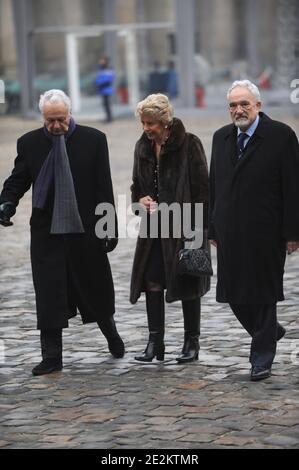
x: 281, y: 331
x: 191, y: 312
x: 115, y: 343
x: 51, y: 346
x: 156, y: 318
x: 47, y: 366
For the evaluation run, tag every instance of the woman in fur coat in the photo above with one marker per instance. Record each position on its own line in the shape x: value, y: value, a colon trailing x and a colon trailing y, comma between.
x: 169, y: 167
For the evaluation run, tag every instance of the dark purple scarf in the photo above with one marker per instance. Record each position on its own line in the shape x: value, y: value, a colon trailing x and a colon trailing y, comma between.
x: 56, y: 168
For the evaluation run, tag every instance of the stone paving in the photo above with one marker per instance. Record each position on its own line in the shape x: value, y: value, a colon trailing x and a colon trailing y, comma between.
x: 98, y: 402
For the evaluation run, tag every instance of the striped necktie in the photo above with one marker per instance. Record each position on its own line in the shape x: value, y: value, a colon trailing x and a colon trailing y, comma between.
x: 241, y: 140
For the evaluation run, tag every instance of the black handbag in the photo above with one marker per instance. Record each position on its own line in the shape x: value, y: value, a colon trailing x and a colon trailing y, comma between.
x: 195, y: 262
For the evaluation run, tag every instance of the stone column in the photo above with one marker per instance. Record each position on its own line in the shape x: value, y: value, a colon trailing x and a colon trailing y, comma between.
x: 222, y: 33
x: 287, y: 38
x: 158, y: 44
x: 252, y: 37
x: 110, y: 37
x: 50, y: 49
x: 8, y: 53
x: 24, y: 40
x: 186, y: 45
x: 143, y: 40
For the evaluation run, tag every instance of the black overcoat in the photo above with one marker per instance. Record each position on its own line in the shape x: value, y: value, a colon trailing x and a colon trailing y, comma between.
x: 254, y: 211
x: 71, y: 271
x: 175, y: 185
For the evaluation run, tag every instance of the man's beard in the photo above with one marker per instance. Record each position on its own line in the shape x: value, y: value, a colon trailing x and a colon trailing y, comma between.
x: 242, y: 122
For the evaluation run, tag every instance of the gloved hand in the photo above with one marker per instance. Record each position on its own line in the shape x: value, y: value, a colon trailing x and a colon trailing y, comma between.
x: 109, y: 244
x: 7, y: 210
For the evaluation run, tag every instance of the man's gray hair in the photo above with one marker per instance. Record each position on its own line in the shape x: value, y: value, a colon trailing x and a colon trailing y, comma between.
x: 246, y: 84
x: 54, y: 96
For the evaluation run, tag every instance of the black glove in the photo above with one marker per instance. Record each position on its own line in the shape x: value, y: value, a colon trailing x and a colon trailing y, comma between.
x: 7, y: 210
x: 109, y: 244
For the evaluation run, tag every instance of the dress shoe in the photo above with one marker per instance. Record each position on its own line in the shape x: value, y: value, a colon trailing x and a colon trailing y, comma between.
x: 116, y: 346
x: 282, y: 332
x: 115, y: 343
x: 47, y: 366
x: 259, y: 373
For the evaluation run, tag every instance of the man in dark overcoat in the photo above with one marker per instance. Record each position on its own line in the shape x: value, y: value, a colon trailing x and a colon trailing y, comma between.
x: 254, y: 217
x: 68, y: 166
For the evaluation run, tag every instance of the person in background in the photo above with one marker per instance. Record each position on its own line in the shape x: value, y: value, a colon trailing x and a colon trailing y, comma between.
x: 172, y: 80
x: 156, y: 79
x: 104, y: 82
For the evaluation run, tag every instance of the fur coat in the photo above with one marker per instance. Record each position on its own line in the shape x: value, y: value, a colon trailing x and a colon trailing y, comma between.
x: 177, y: 183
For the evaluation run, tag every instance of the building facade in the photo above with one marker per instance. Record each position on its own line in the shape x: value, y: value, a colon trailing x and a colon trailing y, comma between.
x: 232, y: 39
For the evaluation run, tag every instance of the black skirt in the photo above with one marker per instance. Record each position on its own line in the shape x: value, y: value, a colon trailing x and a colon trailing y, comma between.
x: 155, y: 269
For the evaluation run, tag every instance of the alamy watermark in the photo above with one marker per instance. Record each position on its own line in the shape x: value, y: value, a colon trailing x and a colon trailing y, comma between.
x: 295, y: 352
x: 166, y: 221
x: 2, y: 92
x: 295, y: 93
x: 288, y: 352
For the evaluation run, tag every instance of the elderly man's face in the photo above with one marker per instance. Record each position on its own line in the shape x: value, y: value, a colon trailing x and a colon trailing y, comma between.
x: 243, y: 107
x: 56, y: 117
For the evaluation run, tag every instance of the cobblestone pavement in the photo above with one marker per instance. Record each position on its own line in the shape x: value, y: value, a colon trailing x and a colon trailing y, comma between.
x: 99, y: 402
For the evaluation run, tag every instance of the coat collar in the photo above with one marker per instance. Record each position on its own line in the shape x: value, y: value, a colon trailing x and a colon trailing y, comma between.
x: 260, y: 130
x: 252, y: 145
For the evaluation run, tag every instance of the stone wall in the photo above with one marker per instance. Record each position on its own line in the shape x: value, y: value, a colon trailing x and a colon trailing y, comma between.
x: 8, y: 60
x: 221, y: 27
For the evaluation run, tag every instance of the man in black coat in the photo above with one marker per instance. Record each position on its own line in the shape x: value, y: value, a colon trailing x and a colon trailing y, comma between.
x: 254, y: 217
x: 68, y: 166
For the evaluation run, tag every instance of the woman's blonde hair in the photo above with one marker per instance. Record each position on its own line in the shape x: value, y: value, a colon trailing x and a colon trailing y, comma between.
x: 156, y: 106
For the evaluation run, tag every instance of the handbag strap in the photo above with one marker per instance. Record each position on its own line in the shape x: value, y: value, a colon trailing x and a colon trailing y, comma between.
x: 186, y: 175
x: 186, y: 172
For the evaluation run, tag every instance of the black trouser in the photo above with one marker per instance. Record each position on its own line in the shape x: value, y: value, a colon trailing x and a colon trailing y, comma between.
x: 107, y: 107
x: 108, y: 327
x: 51, y: 339
x: 51, y: 343
x: 260, y: 321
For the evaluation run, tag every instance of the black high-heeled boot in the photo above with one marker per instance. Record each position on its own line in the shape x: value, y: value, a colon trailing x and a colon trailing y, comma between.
x: 154, y: 348
x: 51, y: 347
x: 191, y: 312
x: 156, y: 318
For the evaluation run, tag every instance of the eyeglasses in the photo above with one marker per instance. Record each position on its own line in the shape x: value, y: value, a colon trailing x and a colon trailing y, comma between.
x: 243, y: 104
x: 61, y: 120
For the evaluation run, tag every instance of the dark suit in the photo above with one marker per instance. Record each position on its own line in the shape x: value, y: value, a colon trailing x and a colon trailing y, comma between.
x: 253, y: 213
x: 72, y: 271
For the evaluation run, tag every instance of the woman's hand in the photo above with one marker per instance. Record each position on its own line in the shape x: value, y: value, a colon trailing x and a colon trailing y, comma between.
x: 148, y: 203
